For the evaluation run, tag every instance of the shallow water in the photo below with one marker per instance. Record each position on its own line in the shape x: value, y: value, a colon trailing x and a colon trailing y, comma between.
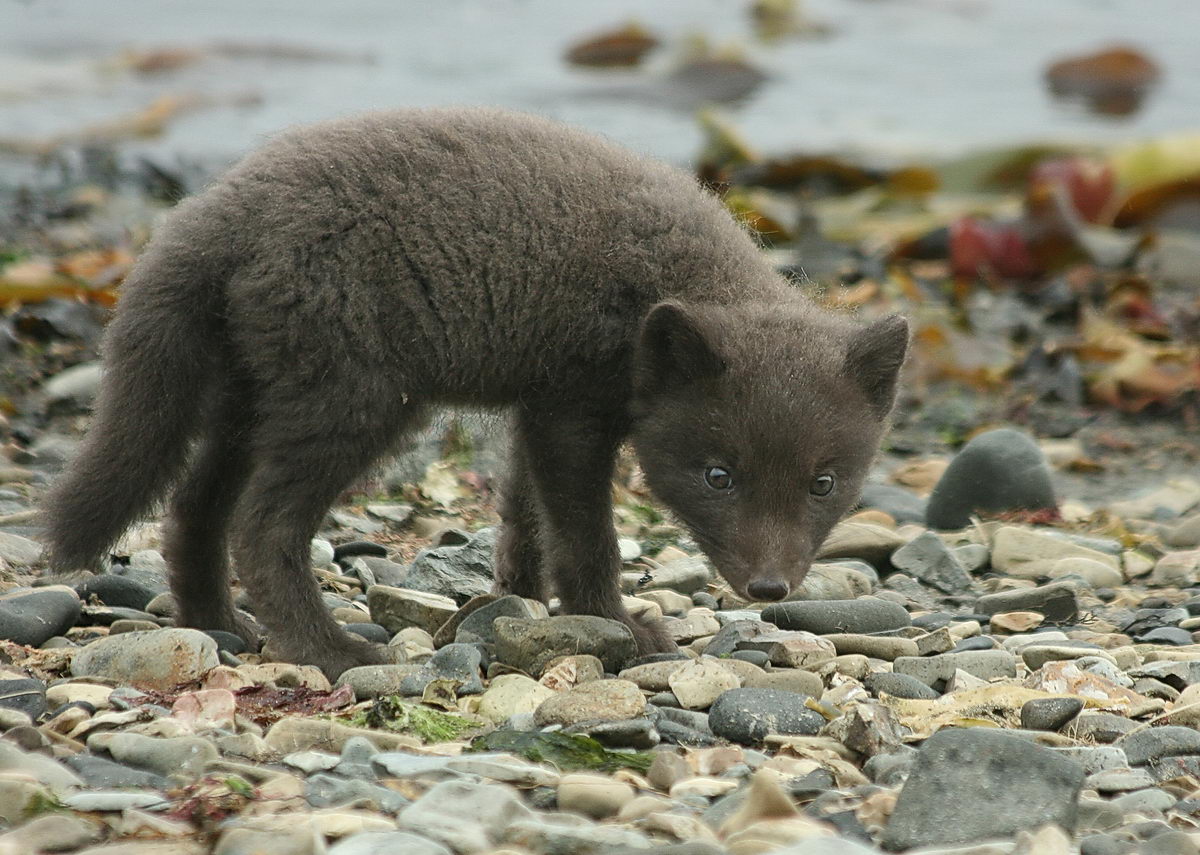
x: 896, y: 77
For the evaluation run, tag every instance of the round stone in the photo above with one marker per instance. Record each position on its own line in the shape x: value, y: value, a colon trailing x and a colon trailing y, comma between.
x: 1049, y: 713
x: 997, y: 471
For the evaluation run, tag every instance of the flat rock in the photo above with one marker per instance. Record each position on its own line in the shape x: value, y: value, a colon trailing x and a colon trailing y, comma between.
x: 961, y: 789
x: 1057, y: 602
x: 874, y: 646
x: 1154, y: 743
x: 599, y: 700
x: 161, y: 659
x: 984, y: 664
x: 750, y: 715
x: 997, y: 471
x: 929, y: 559
x: 397, y: 608
x: 1030, y: 554
x: 697, y: 684
x: 31, y: 616
x: 531, y: 644
x: 465, y: 816
x: 863, y: 615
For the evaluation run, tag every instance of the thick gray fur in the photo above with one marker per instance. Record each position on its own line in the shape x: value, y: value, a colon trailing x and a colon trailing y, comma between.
x: 288, y: 326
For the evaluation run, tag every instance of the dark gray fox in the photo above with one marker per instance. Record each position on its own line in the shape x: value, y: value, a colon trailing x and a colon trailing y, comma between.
x: 301, y: 315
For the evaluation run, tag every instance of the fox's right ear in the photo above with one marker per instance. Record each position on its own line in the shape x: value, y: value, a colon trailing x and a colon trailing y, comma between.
x: 674, y: 350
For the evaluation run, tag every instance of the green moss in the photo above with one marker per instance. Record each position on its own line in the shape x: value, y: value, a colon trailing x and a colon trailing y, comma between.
x: 42, y: 803
x: 393, y: 713
x: 566, y: 751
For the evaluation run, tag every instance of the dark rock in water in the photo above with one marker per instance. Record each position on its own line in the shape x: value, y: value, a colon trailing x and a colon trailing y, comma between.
x: 461, y: 663
x: 1001, y: 470
x: 477, y: 626
x: 824, y: 617
x: 904, y: 506
x: 459, y: 571
x: 113, y: 590
x: 32, y: 616
x: 1057, y: 602
x: 931, y: 561
x: 899, y: 686
x: 531, y: 644
x: 370, y: 631
x: 977, y: 784
x: 226, y: 641
x: 750, y: 715
x: 345, y: 551
x: 1049, y: 713
x: 26, y: 695
x: 100, y: 773
x: 1152, y: 744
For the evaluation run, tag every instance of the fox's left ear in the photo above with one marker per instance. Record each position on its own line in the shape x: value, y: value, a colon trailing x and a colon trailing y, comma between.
x: 874, y: 359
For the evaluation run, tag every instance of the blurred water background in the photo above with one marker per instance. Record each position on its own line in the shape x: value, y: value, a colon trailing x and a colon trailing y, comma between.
x: 892, y: 78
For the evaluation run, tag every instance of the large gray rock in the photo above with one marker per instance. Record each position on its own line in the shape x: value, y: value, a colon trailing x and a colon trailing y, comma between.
x: 459, y: 567
x: 1057, y: 602
x: 1001, y: 470
x: 531, y: 644
x: 156, y: 659
x: 477, y: 626
x: 976, y: 784
x: 750, y: 715
x: 1152, y: 744
x: 32, y: 616
x: 825, y: 617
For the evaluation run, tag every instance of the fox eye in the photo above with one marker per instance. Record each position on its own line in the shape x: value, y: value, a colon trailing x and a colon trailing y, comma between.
x: 718, y: 478
x: 822, y: 485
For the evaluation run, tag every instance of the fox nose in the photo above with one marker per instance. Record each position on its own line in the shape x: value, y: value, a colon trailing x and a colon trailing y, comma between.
x: 767, y: 589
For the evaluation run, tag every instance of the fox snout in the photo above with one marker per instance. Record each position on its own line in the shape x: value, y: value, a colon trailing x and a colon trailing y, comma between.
x: 768, y: 590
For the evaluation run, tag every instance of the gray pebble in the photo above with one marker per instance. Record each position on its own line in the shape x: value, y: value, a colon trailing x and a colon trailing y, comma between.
x: 1049, y: 713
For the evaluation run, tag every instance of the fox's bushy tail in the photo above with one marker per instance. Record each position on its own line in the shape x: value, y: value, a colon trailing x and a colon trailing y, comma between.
x: 159, y: 352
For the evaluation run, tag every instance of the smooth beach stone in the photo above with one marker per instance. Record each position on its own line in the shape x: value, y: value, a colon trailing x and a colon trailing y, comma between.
x: 997, y: 471
x: 31, y: 616
x: 749, y: 715
x: 824, y: 617
x: 160, y: 659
